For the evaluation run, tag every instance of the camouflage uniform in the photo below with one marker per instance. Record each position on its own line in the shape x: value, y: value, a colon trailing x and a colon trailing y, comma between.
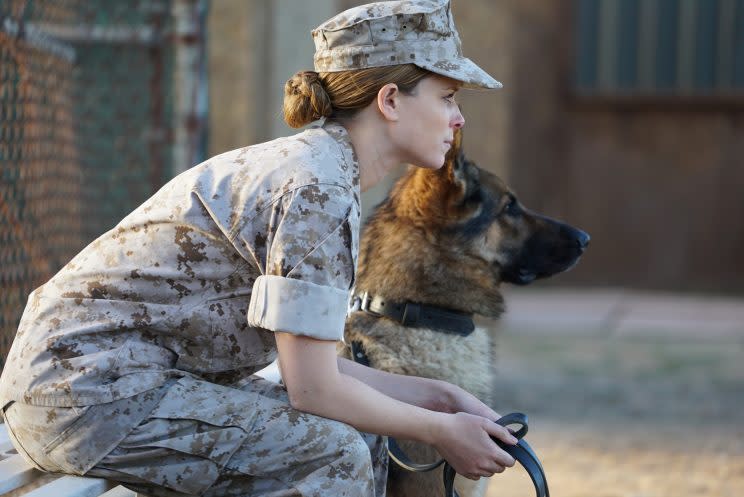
x: 134, y: 362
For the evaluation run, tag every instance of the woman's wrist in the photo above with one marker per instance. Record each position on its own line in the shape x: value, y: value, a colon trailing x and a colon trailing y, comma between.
x: 445, y: 398
x: 434, y: 427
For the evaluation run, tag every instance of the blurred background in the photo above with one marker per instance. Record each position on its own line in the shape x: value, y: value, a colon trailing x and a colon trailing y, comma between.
x: 622, y: 117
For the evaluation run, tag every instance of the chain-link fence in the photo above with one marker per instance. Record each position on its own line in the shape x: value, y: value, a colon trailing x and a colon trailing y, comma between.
x: 87, y: 121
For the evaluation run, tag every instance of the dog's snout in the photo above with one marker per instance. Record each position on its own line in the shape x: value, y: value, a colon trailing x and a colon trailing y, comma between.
x: 582, y: 239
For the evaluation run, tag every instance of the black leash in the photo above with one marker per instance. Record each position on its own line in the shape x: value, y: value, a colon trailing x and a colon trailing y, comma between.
x: 521, y: 452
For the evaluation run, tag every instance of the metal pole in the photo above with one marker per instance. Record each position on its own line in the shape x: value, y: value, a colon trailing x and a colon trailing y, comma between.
x: 188, y: 42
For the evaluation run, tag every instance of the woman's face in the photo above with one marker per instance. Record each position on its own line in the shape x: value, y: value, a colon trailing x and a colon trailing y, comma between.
x: 427, y: 122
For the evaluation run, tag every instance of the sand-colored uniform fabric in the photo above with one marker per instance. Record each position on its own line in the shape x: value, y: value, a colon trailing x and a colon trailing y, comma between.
x: 199, y: 438
x: 195, y: 280
x: 189, y: 288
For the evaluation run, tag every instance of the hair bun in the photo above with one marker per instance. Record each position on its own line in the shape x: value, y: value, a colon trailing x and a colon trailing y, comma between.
x: 305, y: 99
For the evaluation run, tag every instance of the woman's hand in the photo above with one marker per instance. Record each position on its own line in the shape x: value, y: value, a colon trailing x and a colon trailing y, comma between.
x: 464, y: 441
x: 459, y: 400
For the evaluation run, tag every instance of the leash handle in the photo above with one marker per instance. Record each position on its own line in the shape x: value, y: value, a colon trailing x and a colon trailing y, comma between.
x: 522, y: 453
x: 515, y: 418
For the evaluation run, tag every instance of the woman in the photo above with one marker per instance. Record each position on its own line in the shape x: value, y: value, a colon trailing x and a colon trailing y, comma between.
x: 135, y: 362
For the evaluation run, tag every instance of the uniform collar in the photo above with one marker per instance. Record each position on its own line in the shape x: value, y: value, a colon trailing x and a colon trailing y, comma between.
x: 341, y: 136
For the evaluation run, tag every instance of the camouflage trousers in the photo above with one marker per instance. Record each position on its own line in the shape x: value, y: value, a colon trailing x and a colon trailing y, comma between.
x: 206, y: 439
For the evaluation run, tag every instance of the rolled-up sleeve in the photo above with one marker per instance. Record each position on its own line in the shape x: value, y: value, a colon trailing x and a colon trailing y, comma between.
x: 300, y: 307
x: 305, y: 247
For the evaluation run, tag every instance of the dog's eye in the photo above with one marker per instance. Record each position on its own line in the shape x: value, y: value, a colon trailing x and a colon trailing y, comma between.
x: 511, y: 208
x: 475, y: 196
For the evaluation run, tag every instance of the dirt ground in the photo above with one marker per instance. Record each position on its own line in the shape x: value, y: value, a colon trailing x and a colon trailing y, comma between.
x: 652, y: 415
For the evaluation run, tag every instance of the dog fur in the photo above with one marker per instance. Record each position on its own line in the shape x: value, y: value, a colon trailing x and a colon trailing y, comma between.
x: 449, y: 237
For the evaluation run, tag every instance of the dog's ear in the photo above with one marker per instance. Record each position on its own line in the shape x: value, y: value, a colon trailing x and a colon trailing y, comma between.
x: 439, y: 195
x: 458, y: 169
x: 455, y: 158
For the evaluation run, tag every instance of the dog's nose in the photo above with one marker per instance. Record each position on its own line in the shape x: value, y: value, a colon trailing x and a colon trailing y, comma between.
x: 582, y: 239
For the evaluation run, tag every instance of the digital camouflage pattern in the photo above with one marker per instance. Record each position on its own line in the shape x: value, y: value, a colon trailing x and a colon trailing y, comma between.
x: 168, y: 294
x: 201, y: 439
x: 73, y: 439
x: 420, y: 32
x: 167, y: 291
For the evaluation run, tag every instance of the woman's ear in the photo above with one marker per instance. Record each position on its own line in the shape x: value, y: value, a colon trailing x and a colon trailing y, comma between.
x: 388, y: 101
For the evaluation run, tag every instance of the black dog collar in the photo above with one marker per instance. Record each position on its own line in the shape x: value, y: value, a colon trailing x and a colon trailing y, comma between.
x: 412, y: 314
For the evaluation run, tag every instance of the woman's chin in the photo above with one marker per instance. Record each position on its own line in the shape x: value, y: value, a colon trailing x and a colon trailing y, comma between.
x: 432, y: 163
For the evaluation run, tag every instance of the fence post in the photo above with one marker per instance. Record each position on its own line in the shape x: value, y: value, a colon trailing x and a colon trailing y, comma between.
x: 188, y: 86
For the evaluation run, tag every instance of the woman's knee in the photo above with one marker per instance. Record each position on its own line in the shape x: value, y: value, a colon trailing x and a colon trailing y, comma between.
x: 336, y: 444
x: 349, y: 467
x: 355, y: 451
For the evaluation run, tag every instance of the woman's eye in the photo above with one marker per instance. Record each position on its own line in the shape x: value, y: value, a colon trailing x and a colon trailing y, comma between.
x: 450, y: 98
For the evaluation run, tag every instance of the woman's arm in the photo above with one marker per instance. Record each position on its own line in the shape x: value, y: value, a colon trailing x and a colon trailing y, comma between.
x: 316, y: 385
x: 430, y: 394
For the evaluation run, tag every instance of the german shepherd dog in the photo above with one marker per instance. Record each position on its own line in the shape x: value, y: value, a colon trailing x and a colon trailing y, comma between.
x: 447, y: 239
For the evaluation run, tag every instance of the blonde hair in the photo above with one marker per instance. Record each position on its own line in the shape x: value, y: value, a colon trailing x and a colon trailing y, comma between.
x: 309, y: 95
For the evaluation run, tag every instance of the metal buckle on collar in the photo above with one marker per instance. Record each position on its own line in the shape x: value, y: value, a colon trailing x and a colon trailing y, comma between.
x: 364, y: 302
x: 360, y: 303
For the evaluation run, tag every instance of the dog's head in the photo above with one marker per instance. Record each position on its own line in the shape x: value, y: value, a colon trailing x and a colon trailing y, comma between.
x: 451, y: 236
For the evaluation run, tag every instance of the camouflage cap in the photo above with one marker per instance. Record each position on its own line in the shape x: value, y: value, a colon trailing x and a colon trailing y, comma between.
x: 420, y: 32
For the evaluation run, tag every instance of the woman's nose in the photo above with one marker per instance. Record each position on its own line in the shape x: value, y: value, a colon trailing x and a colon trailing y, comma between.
x: 458, y: 120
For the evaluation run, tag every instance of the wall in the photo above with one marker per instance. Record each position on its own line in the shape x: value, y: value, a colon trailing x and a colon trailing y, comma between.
x: 659, y: 186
